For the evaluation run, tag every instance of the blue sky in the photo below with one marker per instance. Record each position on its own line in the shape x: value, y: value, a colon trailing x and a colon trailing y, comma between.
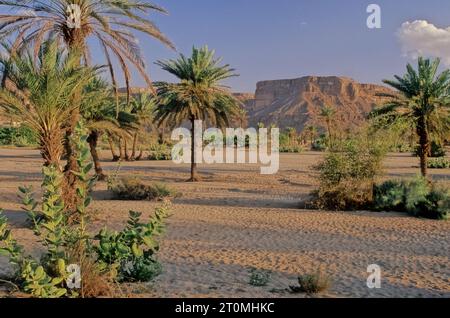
x: 275, y: 39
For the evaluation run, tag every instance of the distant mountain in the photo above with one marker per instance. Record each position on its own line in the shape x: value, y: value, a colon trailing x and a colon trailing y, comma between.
x: 297, y: 102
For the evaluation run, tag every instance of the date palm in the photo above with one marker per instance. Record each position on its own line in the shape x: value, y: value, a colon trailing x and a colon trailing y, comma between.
x: 142, y: 107
x: 99, y: 112
x: 199, y: 95
x: 39, y: 94
x: 75, y: 22
x: 423, y: 100
x: 327, y: 114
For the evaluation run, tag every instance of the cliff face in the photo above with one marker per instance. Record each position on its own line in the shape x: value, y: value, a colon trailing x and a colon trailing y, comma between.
x: 297, y: 102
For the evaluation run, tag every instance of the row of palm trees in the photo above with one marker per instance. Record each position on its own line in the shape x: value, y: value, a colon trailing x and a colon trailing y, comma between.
x: 50, y: 84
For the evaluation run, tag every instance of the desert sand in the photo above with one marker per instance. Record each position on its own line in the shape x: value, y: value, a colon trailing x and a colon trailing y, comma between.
x: 236, y: 219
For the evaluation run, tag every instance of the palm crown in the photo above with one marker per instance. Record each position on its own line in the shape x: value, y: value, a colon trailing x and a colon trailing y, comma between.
x: 40, y: 94
x: 110, y: 22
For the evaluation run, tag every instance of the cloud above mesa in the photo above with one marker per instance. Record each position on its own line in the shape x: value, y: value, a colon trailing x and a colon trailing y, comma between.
x: 421, y: 38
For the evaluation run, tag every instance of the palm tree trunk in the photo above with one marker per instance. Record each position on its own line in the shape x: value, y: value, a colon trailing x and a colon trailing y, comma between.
x: 93, y: 141
x: 194, y: 176
x: 51, y: 149
x: 330, y: 138
x: 125, y: 148
x: 133, y: 151
x: 121, y: 153
x: 424, y: 142
x: 69, y: 192
x: 141, y: 154
x: 115, y: 157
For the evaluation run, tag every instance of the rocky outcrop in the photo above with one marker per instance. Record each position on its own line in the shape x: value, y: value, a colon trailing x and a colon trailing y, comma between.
x: 297, y: 102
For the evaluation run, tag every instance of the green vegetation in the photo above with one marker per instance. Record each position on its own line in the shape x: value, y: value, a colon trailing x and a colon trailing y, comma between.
x: 439, y: 163
x: 126, y: 255
x: 198, y: 96
x: 349, y: 171
x: 21, y: 136
x: 134, y: 189
x: 41, y: 94
x: 259, y: 278
x: 417, y: 197
x: 423, y: 103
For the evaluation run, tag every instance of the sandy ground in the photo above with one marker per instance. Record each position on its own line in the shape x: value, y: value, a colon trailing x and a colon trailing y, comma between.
x: 237, y: 219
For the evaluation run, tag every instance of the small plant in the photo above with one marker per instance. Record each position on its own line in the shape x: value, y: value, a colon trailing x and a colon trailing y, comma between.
x: 18, y: 136
x: 259, y: 278
x: 312, y: 283
x: 438, y: 163
x: 160, y: 152
x: 132, y: 250
x: 134, y: 189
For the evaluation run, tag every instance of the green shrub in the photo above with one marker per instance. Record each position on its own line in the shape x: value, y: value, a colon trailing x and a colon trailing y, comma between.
x: 389, y: 196
x: 417, y: 197
x: 312, y: 283
x: 347, y: 174
x: 133, y: 189
x: 438, y: 163
x: 160, y: 152
x: 132, y: 250
x: 259, y: 278
x: 21, y: 136
x: 321, y: 144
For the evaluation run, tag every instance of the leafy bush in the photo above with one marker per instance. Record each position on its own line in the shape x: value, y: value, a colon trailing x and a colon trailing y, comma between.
x: 347, y: 174
x: 160, y: 152
x: 417, y: 197
x: 438, y: 163
x: 133, y: 189
x: 132, y: 250
x: 312, y: 283
x: 21, y: 136
x: 321, y: 144
x: 259, y: 278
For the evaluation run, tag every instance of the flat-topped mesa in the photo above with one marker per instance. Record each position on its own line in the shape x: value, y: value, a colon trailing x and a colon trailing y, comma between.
x: 297, y: 102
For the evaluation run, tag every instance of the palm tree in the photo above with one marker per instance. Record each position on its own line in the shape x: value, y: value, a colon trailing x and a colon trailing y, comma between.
x: 327, y: 113
x: 109, y: 22
x: 198, y: 96
x: 292, y: 133
x: 99, y: 112
x: 142, y: 107
x: 423, y: 100
x: 40, y: 93
x: 312, y: 134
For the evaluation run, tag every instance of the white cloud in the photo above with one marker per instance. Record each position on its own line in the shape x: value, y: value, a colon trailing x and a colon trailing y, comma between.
x: 421, y: 38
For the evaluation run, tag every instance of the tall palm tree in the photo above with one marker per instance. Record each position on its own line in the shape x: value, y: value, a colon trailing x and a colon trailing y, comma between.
x: 423, y: 99
x: 198, y: 96
x: 39, y: 93
x: 75, y: 22
x: 327, y: 114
